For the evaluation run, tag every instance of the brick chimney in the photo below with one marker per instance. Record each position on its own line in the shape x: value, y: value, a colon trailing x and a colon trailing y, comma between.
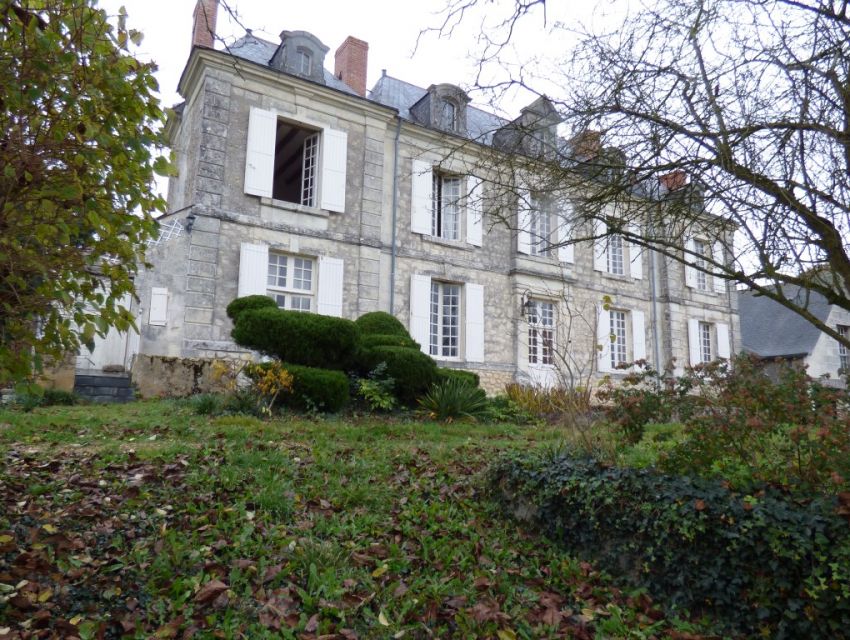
x: 586, y: 145
x: 350, y: 63
x: 203, y: 26
x: 674, y: 180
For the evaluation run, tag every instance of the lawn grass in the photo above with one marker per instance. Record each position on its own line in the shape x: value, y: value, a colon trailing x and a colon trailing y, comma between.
x: 145, y: 520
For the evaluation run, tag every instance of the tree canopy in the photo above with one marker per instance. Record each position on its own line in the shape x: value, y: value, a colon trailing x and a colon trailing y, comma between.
x: 736, y: 112
x: 79, y: 129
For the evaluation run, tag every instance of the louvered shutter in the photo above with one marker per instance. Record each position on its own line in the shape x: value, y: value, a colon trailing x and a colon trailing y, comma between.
x: 421, y: 205
x: 523, y: 218
x: 474, y: 210
x: 723, y: 347
x: 690, y: 272
x: 635, y: 255
x: 331, y: 279
x: 638, y: 336
x: 253, y: 269
x: 420, y: 310
x: 158, y: 316
x: 474, y: 322
x: 719, y: 283
x: 334, y: 164
x: 693, y: 341
x: 600, y: 246
x: 603, y: 331
x: 259, y: 155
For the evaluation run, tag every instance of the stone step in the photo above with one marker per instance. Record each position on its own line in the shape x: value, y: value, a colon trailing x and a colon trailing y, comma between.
x: 104, y: 387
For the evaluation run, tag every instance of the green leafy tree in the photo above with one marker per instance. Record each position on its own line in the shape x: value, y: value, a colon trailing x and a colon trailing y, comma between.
x: 79, y: 130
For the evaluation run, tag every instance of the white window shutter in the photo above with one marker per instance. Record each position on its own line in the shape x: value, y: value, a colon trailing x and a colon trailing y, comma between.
x: 253, y: 269
x: 635, y: 255
x: 474, y: 210
x: 421, y: 205
x: 566, y: 252
x: 603, y: 332
x: 723, y: 347
x: 693, y: 341
x: 474, y: 322
x: 523, y: 217
x: 159, y: 307
x: 420, y: 310
x: 331, y: 279
x: 719, y: 283
x: 638, y: 336
x: 334, y: 164
x: 259, y: 156
x: 600, y: 246
x: 690, y: 272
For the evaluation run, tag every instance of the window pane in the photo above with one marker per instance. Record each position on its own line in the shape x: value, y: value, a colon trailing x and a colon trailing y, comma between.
x: 308, y: 172
x: 843, y: 351
x: 541, y: 228
x: 300, y: 303
x: 302, y: 274
x: 699, y: 261
x: 705, y: 342
x: 450, y: 208
x: 541, y: 334
x: 277, y: 270
x: 435, y: 319
x: 619, y: 353
x: 279, y: 298
x: 450, y: 320
x: 615, y: 255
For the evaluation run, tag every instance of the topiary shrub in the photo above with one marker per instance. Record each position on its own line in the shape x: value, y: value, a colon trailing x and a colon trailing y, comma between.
x: 381, y: 323
x: 413, y: 371
x: 306, y: 339
x: 310, y: 389
x: 469, y: 377
x: 387, y: 340
x: 237, y: 306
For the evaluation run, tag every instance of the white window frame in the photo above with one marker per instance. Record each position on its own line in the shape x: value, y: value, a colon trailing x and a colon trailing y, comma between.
x: 445, y: 206
x: 540, y: 316
x: 304, y: 55
x: 540, y: 228
x: 444, y: 339
x: 706, y: 342
x: 619, y: 328
x: 616, y: 255
x: 288, y: 290
x: 700, y: 246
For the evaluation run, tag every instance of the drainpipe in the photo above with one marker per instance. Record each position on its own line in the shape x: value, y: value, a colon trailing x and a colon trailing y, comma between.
x: 395, y: 213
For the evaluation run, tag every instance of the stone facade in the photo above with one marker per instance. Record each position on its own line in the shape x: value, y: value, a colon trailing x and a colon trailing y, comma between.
x: 369, y: 250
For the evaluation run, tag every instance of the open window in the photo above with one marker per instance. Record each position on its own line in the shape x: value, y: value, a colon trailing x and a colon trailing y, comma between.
x: 294, y: 162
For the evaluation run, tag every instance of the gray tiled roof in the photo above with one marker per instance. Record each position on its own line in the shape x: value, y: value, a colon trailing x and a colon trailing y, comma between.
x: 769, y: 329
x: 388, y: 91
x: 254, y: 49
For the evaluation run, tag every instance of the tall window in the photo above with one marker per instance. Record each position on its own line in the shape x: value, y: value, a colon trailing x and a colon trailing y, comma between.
x: 445, y: 217
x: 619, y: 347
x: 445, y: 320
x: 449, y: 115
x: 700, y: 249
x: 305, y: 62
x: 843, y: 351
x: 541, y: 332
x: 290, y: 281
x: 705, y: 348
x: 541, y: 228
x: 296, y: 164
x: 616, y: 264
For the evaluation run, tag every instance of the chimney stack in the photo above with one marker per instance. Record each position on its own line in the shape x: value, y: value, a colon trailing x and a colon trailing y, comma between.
x: 350, y: 63
x: 674, y: 180
x: 586, y: 145
x: 203, y: 29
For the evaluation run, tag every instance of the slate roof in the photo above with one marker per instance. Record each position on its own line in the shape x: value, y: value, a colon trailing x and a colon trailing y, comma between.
x: 770, y: 330
x: 388, y: 91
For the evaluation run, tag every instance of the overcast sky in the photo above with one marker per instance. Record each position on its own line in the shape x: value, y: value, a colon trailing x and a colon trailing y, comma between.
x: 389, y: 26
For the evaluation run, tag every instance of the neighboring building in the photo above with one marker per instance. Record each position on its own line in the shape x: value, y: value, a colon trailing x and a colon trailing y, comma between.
x: 776, y: 334
x: 296, y: 184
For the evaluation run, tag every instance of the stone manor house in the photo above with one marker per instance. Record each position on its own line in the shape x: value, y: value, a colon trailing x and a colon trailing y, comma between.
x: 297, y: 183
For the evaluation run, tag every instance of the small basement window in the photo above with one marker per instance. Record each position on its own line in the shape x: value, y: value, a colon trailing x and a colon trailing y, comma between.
x: 296, y: 164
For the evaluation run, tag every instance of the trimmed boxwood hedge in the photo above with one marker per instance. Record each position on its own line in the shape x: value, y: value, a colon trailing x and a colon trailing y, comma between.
x: 237, y: 306
x: 387, y: 340
x: 469, y: 377
x: 381, y: 323
x: 764, y: 566
x: 321, y: 389
x: 412, y: 370
x: 306, y: 339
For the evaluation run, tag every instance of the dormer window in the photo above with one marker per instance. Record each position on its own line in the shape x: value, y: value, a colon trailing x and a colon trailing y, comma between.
x: 305, y: 62
x: 449, y: 116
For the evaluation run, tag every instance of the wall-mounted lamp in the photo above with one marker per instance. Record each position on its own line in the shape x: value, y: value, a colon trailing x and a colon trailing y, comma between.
x: 190, y: 222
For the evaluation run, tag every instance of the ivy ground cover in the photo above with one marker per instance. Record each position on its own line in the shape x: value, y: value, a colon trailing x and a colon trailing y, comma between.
x: 146, y: 520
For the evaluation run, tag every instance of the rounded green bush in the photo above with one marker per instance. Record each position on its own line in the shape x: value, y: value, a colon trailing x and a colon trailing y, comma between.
x: 387, y: 340
x: 413, y: 371
x: 316, y: 389
x: 306, y: 339
x: 237, y: 306
x: 469, y: 377
x: 381, y: 323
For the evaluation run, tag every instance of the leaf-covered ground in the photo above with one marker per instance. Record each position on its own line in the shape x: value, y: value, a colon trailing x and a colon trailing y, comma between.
x: 145, y: 521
